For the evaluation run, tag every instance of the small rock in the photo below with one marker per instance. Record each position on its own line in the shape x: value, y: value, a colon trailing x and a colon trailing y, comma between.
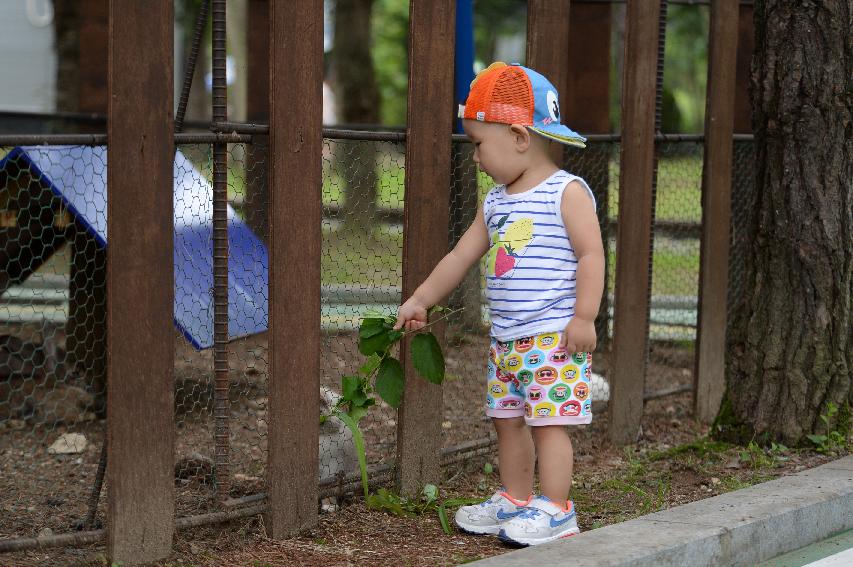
x: 240, y: 477
x: 715, y: 480
x: 329, y: 507
x: 733, y: 463
x: 670, y: 410
x: 45, y: 532
x: 675, y: 422
x: 446, y: 425
x: 194, y: 465
x: 68, y: 444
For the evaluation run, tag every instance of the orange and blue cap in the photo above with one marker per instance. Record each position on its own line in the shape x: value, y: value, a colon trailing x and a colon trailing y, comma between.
x: 513, y: 94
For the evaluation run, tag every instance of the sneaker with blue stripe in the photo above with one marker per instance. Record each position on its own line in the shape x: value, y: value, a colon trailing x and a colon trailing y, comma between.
x: 540, y: 522
x: 488, y: 517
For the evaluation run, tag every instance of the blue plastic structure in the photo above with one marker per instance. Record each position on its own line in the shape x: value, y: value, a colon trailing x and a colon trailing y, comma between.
x: 78, y: 176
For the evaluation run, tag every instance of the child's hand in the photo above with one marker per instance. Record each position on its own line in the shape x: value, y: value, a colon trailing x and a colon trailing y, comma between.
x: 412, y: 314
x: 579, y: 336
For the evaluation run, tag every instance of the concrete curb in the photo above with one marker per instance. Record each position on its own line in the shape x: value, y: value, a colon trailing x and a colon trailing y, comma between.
x: 743, y: 527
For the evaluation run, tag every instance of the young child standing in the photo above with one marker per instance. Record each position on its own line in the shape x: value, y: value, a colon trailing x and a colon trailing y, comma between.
x: 544, y: 280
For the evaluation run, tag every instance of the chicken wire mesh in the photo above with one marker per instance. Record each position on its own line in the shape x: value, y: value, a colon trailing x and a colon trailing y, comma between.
x: 52, y: 310
x: 52, y: 351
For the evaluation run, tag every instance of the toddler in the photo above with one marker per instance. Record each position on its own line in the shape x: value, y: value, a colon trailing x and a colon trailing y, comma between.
x: 544, y: 280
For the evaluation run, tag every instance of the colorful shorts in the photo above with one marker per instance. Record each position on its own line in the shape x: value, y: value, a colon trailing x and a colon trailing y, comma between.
x: 532, y: 377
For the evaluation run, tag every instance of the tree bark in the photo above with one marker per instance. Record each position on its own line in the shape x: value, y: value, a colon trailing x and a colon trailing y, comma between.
x: 358, y: 103
x: 790, y: 340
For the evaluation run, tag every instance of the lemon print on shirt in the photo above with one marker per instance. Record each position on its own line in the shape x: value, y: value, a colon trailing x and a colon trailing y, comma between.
x: 504, y: 250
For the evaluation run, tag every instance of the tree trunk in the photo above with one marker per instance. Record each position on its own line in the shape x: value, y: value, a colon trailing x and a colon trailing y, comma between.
x: 358, y: 103
x: 790, y: 340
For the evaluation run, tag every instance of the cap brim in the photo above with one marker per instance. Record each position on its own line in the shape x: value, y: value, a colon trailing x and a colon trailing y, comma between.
x: 560, y: 133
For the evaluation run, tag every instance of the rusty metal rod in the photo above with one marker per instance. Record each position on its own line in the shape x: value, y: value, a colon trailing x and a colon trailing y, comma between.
x: 198, y: 30
x: 96, y: 489
x: 7, y: 140
x: 380, y: 476
x: 221, y: 402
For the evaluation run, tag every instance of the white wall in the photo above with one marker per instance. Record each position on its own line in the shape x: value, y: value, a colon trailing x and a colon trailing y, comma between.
x: 27, y: 56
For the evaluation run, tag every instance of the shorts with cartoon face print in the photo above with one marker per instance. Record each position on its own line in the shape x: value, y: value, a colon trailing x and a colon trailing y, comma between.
x: 534, y: 378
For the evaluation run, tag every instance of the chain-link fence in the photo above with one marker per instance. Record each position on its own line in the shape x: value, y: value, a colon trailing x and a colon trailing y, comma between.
x: 53, y: 305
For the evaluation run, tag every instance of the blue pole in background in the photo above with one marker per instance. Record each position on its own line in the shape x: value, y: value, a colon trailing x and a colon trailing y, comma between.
x: 464, y: 62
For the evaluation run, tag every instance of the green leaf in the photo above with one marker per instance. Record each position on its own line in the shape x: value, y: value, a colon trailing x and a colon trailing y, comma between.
x: 349, y: 386
x: 817, y: 439
x: 454, y: 502
x: 442, y: 518
x: 430, y: 492
x: 352, y: 390
x: 427, y: 357
x: 371, y: 326
x: 374, y: 344
x: 502, y: 221
x: 387, y: 501
x: 378, y: 343
x: 358, y: 441
x: 372, y: 364
x: 357, y: 412
x: 488, y: 468
x: 390, y: 381
x: 436, y: 309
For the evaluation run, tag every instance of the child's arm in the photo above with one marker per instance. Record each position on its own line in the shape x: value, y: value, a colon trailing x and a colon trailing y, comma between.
x: 582, y: 227
x: 445, y: 276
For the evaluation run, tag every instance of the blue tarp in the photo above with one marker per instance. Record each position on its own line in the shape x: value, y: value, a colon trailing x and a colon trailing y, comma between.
x: 78, y: 176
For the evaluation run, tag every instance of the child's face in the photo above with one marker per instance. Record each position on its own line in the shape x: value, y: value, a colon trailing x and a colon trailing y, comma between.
x: 496, y: 151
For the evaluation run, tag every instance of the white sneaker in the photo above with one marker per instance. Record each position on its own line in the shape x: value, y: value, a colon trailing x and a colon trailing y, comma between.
x: 540, y: 522
x: 488, y: 517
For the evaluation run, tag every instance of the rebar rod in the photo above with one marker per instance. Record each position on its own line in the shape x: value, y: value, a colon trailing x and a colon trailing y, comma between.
x: 221, y: 402
x: 7, y: 140
x: 380, y: 475
x: 198, y: 31
x: 95, y: 497
x: 656, y: 159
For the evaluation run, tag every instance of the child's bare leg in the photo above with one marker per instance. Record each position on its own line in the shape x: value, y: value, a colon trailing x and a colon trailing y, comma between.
x: 515, y: 456
x: 554, y: 451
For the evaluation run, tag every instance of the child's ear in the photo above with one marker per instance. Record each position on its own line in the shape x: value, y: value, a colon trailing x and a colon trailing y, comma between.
x: 521, y: 137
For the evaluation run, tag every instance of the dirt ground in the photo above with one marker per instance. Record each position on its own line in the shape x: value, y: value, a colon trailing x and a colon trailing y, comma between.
x: 672, y: 462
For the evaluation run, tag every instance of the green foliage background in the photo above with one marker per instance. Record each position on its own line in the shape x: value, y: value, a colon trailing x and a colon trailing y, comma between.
x: 686, y: 57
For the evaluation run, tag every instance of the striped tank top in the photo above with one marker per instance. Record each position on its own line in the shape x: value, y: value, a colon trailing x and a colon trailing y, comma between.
x: 531, y: 264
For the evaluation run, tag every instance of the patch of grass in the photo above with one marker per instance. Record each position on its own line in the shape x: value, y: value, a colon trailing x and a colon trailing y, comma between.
x: 703, y: 448
x: 679, y: 189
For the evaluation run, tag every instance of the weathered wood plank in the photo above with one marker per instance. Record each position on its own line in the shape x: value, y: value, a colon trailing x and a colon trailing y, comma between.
x: 709, y: 378
x: 432, y: 27
x: 295, y: 182
x: 140, y: 336
x: 635, y: 221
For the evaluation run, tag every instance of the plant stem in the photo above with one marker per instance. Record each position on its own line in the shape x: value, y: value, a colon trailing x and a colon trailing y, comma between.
x: 431, y: 323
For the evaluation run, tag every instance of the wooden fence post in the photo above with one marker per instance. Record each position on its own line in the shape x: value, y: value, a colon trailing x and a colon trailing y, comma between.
x: 709, y: 378
x: 636, y: 173
x: 140, y: 282
x: 295, y: 185
x: 425, y: 221
x: 547, y: 48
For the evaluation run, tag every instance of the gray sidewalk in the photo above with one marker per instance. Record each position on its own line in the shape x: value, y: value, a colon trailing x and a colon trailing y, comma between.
x: 743, y: 527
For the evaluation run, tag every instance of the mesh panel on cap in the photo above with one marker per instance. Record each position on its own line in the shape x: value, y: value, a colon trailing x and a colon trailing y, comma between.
x: 504, y: 96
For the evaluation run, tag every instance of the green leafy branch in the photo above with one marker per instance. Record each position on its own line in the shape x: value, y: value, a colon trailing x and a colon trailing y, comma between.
x: 429, y: 501
x: 833, y: 439
x: 383, y: 374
